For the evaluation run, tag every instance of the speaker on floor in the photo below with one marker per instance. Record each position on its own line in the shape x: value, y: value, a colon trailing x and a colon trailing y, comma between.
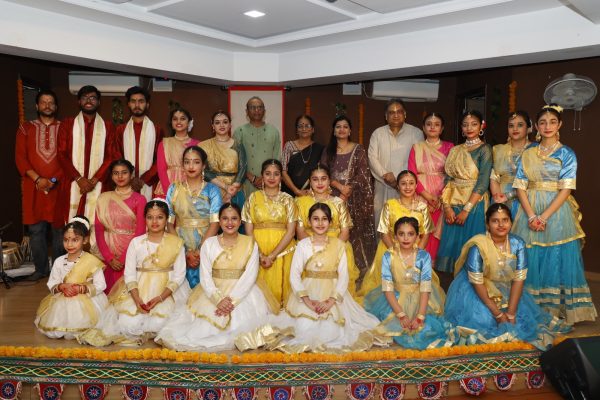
x: 573, y: 367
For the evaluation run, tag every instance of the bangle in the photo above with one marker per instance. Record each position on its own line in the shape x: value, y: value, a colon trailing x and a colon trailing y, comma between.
x: 499, y: 315
x: 542, y: 220
x: 401, y: 314
x: 532, y: 218
x: 510, y: 316
x: 468, y: 207
x: 161, y: 298
x: 37, y: 179
x: 421, y: 317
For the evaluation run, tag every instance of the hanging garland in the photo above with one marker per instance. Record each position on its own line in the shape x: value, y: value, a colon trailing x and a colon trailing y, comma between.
x: 512, y: 97
x: 20, y: 101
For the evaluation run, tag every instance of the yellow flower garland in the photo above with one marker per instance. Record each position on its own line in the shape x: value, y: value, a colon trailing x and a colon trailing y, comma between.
x: 254, y: 358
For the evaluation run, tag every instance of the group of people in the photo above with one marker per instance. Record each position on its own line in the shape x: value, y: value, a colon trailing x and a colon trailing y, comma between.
x: 230, y: 243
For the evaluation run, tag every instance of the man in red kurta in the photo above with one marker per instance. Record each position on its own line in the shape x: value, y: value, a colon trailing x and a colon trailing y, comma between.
x: 137, y: 141
x: 85, y: 150
x: 37, y: 162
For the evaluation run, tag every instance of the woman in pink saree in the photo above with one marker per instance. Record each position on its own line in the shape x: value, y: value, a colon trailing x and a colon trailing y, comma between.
x: 427, y: 160
x: 119, y: 218
x: 169, y: 154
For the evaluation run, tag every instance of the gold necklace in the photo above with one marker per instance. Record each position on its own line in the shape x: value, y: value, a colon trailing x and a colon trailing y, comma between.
x: 543, y: 150
x: 438, y: 141
x: 153, y: 256
x: 227, y: 248
x: 127, y: 192
x: 192, y: 192
x: 222, y: 141
x: 182, y: 139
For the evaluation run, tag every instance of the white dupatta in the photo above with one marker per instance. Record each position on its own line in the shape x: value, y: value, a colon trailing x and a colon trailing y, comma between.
x: 146, y: 149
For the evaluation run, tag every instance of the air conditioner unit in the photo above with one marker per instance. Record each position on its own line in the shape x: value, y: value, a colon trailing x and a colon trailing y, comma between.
x: 411, y: 90
x: 107, y: 83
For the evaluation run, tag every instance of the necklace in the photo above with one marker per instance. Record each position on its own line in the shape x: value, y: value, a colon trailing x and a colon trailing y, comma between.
x: 547, y: 150
x: 438, y: 141
x: 309, y: 154
x: 222, y: 141
x: 342, y: 150
x: 503, y: 250
x: 182, y: 138
x: 125, y: 193
x: 153, y: 256
x: 74, y: 262
x: 227, y: 248
x: 513, y: 154
x: 313, y: 238
x: 408, y: 262
x: 412, y: 206
x: 192, y: 192
x: 472, y: 142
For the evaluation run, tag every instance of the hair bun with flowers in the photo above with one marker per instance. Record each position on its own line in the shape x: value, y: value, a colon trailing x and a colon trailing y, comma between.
x: 81, y: 220
x: 190, y: 125
x: 555, y: 107
x: 483, y: 124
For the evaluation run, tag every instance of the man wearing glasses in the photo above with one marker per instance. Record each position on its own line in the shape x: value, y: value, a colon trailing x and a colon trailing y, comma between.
x: 261, y: 142
x: 389, y: 148
x: 85, y: 150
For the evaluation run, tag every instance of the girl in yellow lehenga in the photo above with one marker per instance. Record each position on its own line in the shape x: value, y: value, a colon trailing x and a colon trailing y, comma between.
x: 76, y: 285
x: 270, y: 216
x: 408, y: 205
x: 341, y: 222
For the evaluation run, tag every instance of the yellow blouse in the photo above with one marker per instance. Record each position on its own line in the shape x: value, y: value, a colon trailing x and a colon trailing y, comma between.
x: 393, y: 210
x: 339, y: 214
x: 264, y: 212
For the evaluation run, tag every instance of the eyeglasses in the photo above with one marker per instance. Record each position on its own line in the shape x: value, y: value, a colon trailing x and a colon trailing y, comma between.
x: 303, y: 126
x: 256, y: 108
x: 93, y: 99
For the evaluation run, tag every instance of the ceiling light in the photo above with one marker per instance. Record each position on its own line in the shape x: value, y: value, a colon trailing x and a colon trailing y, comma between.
x: 254, y: 14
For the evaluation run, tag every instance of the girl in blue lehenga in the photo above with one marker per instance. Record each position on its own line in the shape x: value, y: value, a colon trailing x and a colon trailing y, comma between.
x: 486, y: 300
x: 465, y: 195
x: 193, y: 210
x: 409, y: 301
x: 548, y: 220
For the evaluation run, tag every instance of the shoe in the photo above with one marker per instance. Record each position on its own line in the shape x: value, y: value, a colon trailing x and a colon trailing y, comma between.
x: 36, y: 276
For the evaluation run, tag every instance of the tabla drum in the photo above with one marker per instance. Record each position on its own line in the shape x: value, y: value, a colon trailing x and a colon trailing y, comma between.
x: 11, y: 255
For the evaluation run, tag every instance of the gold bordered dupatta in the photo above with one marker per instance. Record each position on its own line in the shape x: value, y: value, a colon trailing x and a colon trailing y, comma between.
x: 118, y: 221
x: 463, y: 171
x: 187, y: 217
x: 491, y: 267
x: 227, y: 268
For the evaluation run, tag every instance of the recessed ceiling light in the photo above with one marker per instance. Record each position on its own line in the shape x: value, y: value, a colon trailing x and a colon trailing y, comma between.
x: 254, y: 14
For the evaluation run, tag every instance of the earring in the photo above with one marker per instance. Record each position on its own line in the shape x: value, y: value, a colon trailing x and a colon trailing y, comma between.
x: 508, y: 139
x: 263, y: 185
x: 558, y: 135
x: 463, y: 134
x: 202, y: 175
x: 481, y: 132
x: 538, y: 137
x: 280, y: 186
x: 329, y: 190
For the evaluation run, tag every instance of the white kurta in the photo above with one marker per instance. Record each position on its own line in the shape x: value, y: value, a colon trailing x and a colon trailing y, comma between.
x: 389, y: 153
x: 323, y: 334
x: 67, y: 311
x: 188, y: 330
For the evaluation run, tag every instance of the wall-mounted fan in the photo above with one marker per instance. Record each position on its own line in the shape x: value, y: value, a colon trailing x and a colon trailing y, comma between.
x: 571, y: 92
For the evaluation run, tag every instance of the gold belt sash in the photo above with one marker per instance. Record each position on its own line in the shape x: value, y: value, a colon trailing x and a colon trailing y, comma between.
x: 122, y: 231
x: 193, y: 222
x: 505, y: 179
x: 270, y: 225
x: 321, y: 274
x: 227, y: 273
x: 464, y: 182
x: 548, y: 186
x: 156, y: 269
x: 407, y: 287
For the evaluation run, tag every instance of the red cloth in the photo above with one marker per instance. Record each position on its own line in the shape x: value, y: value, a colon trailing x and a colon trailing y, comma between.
x: 65, y: 149
x: 149, y: 177
x: 36, y: 149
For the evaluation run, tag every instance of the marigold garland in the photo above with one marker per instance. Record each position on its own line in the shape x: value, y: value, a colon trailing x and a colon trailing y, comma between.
x: 257, y: 358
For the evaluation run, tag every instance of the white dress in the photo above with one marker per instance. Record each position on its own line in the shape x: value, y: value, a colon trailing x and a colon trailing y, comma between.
x: 346, y: 326
x: 123, y: 322
x: 194, y: 326
x: 65, y: 317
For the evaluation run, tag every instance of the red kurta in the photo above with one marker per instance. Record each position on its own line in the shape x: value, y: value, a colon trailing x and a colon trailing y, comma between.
x: 149, y: 177
x: 36, y: 149
x: 65, y: 149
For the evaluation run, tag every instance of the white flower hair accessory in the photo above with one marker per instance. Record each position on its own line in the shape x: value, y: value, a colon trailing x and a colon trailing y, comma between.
x: 83, y: 221
x: 190, y: 125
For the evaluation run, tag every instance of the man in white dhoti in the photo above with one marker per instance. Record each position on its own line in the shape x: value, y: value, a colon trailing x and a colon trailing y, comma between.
x: 389, y: 148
